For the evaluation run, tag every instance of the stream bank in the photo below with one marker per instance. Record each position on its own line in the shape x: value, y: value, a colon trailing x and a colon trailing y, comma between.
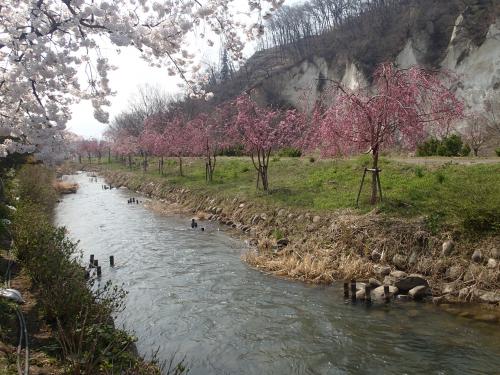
x: 190, y: 293
x: 342, y: 245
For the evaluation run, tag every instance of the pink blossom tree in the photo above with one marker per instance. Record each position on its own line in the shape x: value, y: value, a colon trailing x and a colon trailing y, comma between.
x: 264, y: 130
x: 211, y: 134
x: 126, y: 145
x: 178, y: 139
x: 401, y: 106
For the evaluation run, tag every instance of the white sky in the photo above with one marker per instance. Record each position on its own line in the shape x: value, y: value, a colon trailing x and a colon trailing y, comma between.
x: 133, y: 72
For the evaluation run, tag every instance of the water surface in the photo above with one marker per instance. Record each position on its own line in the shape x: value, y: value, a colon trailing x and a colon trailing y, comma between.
x: 190, y: 293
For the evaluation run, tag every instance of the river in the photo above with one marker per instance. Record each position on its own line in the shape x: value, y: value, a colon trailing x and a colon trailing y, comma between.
x: 190, y: 294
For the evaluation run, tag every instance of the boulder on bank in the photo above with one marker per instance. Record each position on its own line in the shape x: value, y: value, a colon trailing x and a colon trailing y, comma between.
x: 447, y: 247
x: 410, y: 282
x: 382, y: 270
x: 477, y: 256
x: 418, y: 292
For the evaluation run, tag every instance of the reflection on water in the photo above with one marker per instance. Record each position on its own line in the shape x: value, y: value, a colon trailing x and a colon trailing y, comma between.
x: 190, y: 293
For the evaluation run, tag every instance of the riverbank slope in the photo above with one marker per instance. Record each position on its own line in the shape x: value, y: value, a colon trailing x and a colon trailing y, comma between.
x: 318, y: 244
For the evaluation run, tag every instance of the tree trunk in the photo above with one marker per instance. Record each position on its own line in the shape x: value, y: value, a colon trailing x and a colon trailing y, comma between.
x: 374, y: 176
x: 130, y: 162
x: 180, y: 167
x: 109, y: 156
x: 476, y: 151
x: 80, y: 159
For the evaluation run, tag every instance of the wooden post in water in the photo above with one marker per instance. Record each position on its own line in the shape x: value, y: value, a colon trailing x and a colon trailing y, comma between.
x: 96, y: 263
x: 111, y: 260
x: 386, y: 293
x: 353, y: 290
x: 91, y: 260
x: 346, y: 289
x: 368, y: 297
x: 99, y: 271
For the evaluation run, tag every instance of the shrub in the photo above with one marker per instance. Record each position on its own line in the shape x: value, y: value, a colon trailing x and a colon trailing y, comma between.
x: 290, y: 152
x: 482, y: 219
x: 440, y: 177
x: 466, y: 150
x: 312, y: 159
x: 497, y: 151
x: 449, y: 146
x: 428, y: 148
x: 419, y: 172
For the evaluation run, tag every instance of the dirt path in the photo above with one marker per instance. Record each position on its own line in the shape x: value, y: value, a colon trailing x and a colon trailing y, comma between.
x: 437, y: 161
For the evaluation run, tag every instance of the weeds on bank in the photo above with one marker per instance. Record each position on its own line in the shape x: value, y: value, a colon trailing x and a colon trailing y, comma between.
x: 79, y: 311
x: 468, y: 196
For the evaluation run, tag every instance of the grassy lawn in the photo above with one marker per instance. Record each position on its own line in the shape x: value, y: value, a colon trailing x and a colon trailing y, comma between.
x: 444, y: 192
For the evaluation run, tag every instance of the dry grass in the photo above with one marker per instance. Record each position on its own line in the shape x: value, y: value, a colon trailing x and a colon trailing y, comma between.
x: 65, y: 187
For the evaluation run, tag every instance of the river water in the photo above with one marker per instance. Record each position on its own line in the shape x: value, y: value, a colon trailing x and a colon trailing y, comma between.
x: 190, y: 294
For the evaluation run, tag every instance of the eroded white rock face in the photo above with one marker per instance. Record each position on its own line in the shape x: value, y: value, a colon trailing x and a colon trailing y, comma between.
x: 477, y: 67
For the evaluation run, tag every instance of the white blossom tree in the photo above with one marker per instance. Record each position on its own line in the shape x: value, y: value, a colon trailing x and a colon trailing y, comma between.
x: 46, y: 44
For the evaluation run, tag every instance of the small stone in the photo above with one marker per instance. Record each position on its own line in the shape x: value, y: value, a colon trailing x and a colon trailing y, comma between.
x: 290, y: 216
x: 418, y: 292
x: 378, y: 293
x: 360, y: 294
x: 263, y: 216
x: 374, y: 283
x: 281, y: 212
x: 495, y: 253
x: 449, y: 288
x: 447, y: 247
x: 389, y: 280
x: 382, y: 270
x: 360, y: 286
x: 375, y: 256
x: 410, y: 282
x: 477, y: 256
x: 492, y: 263
x: 466, y: 314
x: 454, y: 272
x: 283, y: 242
x: 489, y: 297
x: 316, y: 219
x: 399, y: 261
x: 398, y: 274
x: 241, y: 205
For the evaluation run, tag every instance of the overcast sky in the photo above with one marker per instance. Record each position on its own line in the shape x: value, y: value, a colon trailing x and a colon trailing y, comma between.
x: 133, y: 72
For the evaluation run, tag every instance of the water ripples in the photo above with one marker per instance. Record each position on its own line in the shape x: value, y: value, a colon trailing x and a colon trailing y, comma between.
x: 190, y: 293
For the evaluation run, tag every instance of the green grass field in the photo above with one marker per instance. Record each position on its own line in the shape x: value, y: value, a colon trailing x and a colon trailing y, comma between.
x: 443, y: 193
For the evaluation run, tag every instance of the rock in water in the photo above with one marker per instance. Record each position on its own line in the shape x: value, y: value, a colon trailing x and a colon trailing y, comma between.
x: 407, y: 283
x: 477, y: 256
x: 447, y: 247
x: 490, y: 297
x: 418, y: 292
x: 374, y: 283
x: 378, y: 293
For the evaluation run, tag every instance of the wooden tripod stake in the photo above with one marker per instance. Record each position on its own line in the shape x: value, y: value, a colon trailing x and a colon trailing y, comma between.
x: 376, y: 175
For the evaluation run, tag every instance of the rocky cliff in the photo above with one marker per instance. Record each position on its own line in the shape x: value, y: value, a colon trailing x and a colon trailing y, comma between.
x: 478, y: 67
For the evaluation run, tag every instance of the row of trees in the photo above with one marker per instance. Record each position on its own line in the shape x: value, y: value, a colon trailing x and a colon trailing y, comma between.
x: 402, y: 106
